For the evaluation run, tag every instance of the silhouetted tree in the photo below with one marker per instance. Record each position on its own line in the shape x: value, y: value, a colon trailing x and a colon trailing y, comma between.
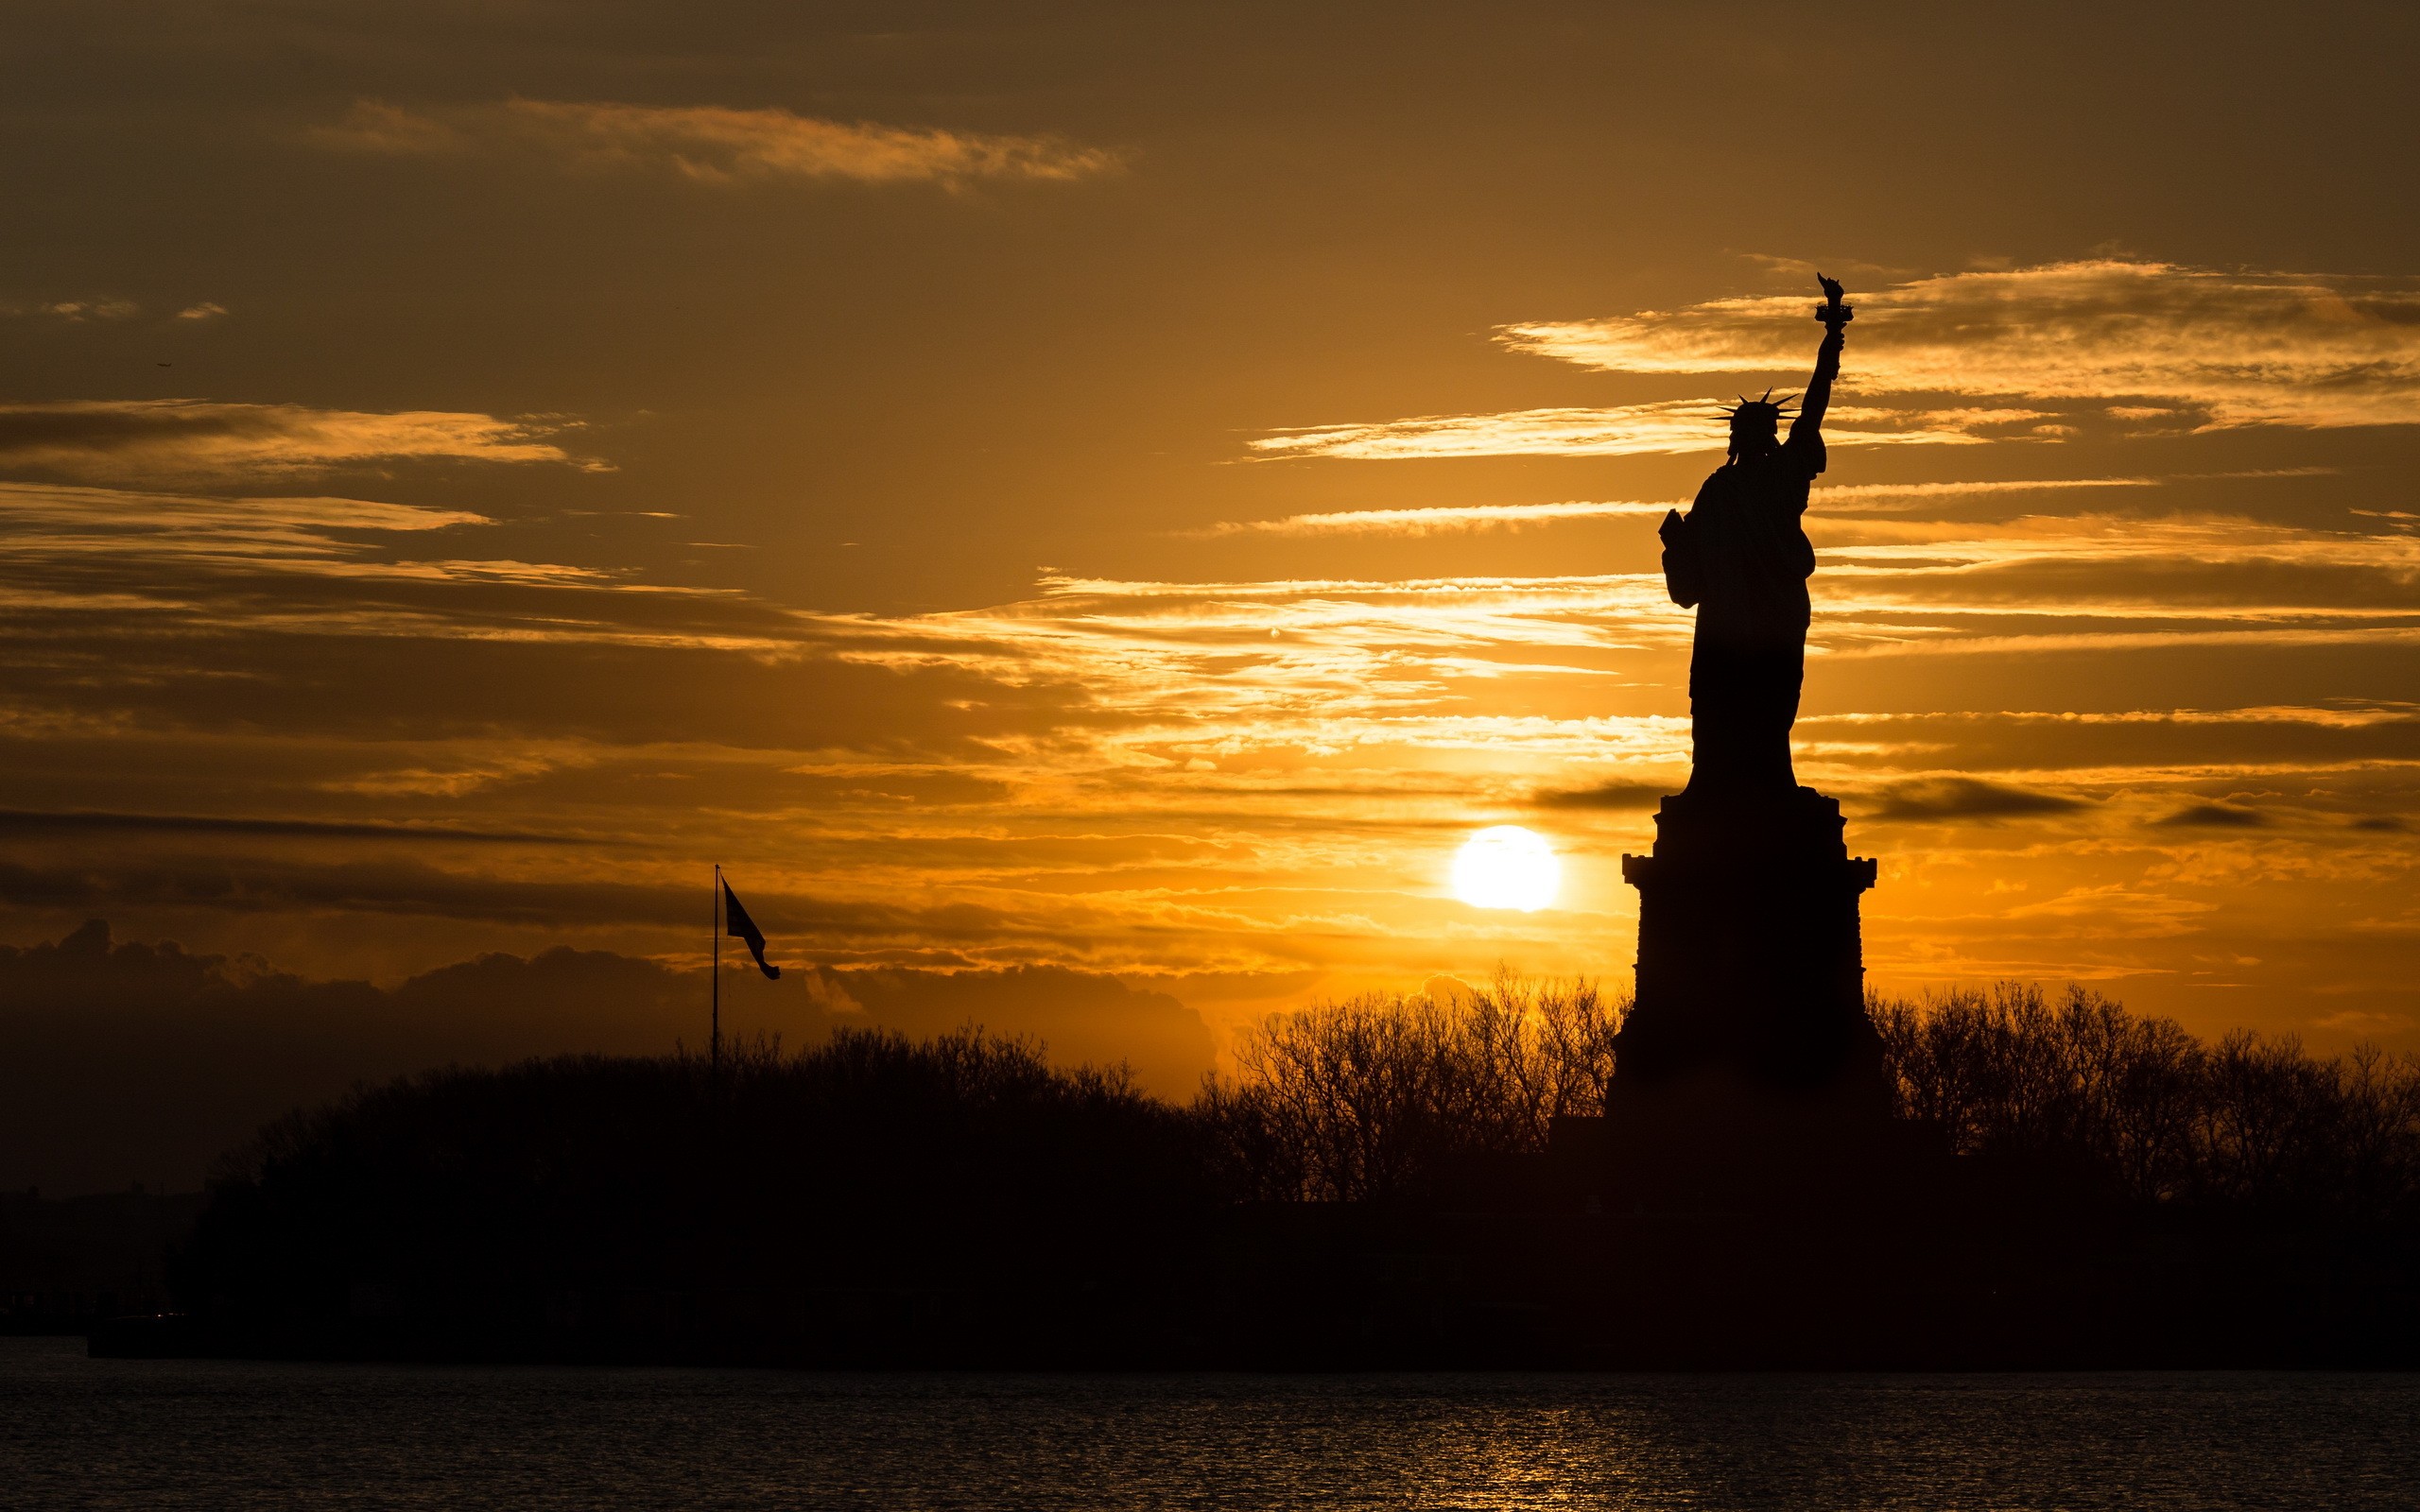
x: 1008, y: 1208
x: 966, y: 1164
x: 2151, y: 1113
x: 1379, y: 1097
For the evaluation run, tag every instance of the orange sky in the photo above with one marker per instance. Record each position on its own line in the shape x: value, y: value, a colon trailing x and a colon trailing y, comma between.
x: 1132, y: 488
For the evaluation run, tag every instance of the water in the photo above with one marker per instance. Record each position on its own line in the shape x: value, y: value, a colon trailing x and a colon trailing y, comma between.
x: 79, y: 1432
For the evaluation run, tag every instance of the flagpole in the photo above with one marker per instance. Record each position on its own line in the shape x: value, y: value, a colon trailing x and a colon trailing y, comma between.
x: 714, y: 1050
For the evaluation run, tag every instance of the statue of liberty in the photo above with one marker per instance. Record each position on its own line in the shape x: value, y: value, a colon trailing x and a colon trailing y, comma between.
x: 1741, y: 559
x: 1749, y: 1064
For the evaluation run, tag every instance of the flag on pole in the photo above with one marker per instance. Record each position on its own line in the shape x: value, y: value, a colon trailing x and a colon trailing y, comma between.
x: 737, y: 924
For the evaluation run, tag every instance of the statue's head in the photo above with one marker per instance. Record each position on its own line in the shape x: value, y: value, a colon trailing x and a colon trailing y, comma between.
x: 1756, y: 425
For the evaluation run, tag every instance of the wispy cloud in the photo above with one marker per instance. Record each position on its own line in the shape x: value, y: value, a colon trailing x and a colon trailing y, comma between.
x: 22, y: 822
x: 2157, y: 342
x: 713, y: 144
x: 1856, y: 497
x: 78, y: 311
x: 287, y: 531
x: 1952, y: 799
x: 166, y: 438
x: 1438, y: 519
x: 102, y: 307
x: 1441, y: 519
x: 1627, y: 430
x: 1616, y: 797
x: 163, y: 564
x: 2214, y: 816
x: 1262, y: 775
x: 1252, y: 776
x: 2183, y: 569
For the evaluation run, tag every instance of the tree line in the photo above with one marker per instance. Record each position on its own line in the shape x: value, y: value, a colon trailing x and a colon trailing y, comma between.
x: 872, y: 1160
x: 2151, y: 1113
x: 1381, y: 1097
x: 475, y: 1211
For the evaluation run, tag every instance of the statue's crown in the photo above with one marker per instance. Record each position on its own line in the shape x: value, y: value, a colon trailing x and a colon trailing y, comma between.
x: 1757, y: 413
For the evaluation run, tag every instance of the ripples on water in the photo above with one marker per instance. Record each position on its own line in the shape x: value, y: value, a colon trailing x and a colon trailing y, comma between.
x: 79, y: 1432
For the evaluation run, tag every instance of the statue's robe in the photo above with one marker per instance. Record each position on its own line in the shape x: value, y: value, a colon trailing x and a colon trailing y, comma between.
x: 1741, y: 557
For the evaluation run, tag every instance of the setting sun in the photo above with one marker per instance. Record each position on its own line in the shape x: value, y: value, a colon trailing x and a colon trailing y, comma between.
x: 1507, y: 866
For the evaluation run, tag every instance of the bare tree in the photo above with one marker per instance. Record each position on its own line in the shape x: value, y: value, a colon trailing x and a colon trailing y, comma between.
x: 2161, y: 1116
x: 1372, y: 1097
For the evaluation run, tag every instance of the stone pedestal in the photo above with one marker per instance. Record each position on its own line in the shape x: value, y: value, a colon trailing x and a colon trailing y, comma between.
x: 1749, y: 1070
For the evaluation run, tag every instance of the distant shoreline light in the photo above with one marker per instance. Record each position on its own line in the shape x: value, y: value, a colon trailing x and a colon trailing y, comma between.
x: 1505, y: 865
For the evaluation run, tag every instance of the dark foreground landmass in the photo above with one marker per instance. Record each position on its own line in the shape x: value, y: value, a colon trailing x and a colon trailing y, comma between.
x: 1340, y: 1289
x: 962, y: 1203
x: 67, y: 1264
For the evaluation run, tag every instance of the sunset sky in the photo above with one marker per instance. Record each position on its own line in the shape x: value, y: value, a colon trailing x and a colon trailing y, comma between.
x: 1132, y: 488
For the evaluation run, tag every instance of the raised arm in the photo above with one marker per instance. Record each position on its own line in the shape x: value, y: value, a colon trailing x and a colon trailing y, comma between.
x: 1818, y: 398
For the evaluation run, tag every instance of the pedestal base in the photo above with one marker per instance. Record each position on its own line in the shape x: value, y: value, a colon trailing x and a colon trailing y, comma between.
x: 1749, y: 1068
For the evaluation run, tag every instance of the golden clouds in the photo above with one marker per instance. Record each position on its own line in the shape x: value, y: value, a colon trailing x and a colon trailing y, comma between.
x: 1255, y: 776
x: 1311, y: 655
x: 1435, y: 519
x: 1628, y: 430
x: 2143, y: 347
x: 1965, y: 798
x: 105, y: 310
x: 1264, y: 776
x: 107, y: 439
x: 1441, y: 519
x: 211, y: 565
x: 2186, y: 571
x: 1245, y: 757
x: 76, y: 312
x: 713, y: 144
x: 2161, y: 345
x: 283, y: 528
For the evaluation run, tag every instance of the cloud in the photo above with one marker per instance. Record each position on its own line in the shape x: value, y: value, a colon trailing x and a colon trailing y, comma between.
x: 2188, y: 574
x: 714, y: 144
x: 78, y: 311
x: 81, y: 822
x: 415, y: 889
x: 1965, y: 798
x: 1136, y: 776
x: 63, y: 545
x: 1438, y: 519
x: 1290, y: 659
x: 252, y: 528
x: 206, y: 310
x: 1628, y: 430
x: 2176, y: 750
x: 2372, y: 1021
x: 1613, y: 796
x: 1860, y: 496
x: 374, y: 125
x: 150, y: 586
x: 2214, y: 816
x: 145, y: 438
x: 2203, y: 346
